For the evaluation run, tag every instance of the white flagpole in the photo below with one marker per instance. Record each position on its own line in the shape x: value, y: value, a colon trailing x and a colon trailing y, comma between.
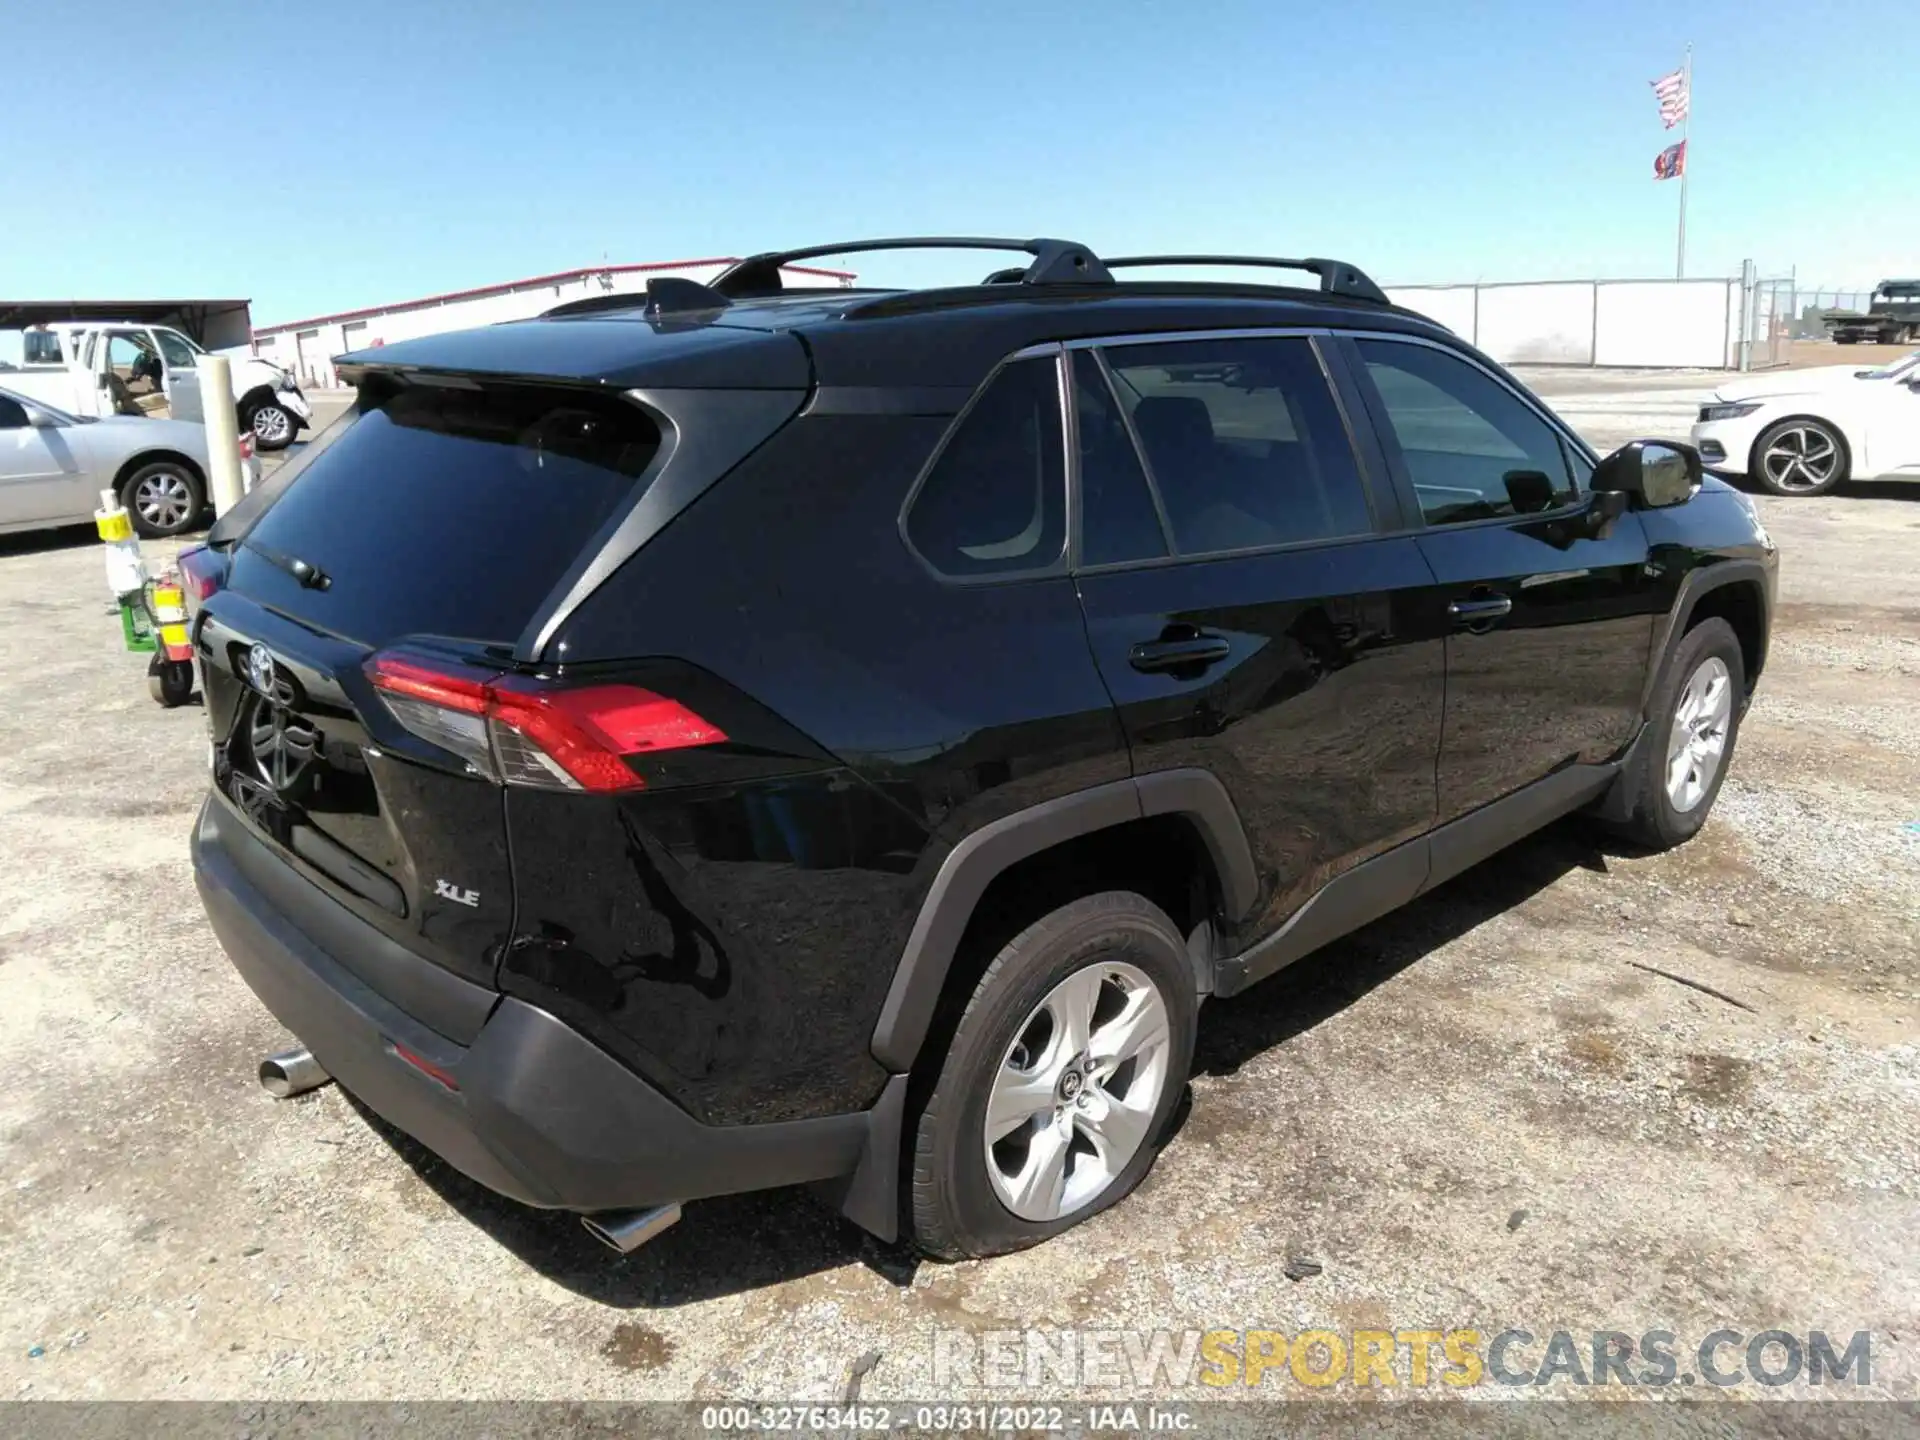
x: 1686, y: 164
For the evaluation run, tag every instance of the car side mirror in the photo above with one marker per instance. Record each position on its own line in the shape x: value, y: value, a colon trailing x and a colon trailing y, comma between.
x: 1652, y: 473
x: 41, y: 420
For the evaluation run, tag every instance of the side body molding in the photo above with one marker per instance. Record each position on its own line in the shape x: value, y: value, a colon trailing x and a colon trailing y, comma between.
x: 972, y: 865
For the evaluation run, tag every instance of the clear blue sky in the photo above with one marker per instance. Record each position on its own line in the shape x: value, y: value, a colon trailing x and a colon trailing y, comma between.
x: 317, y: 156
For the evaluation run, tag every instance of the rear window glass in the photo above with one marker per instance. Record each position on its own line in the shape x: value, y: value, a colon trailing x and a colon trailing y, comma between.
x: 449, y: 511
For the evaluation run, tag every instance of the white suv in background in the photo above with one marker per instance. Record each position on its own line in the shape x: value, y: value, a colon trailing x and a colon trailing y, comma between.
x: 1801, y: 432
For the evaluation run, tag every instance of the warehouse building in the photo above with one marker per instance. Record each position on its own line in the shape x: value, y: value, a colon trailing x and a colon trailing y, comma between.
x: 307, y: 347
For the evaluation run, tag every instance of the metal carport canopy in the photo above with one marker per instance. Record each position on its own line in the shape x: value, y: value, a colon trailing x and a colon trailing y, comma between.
x: 192, y: 316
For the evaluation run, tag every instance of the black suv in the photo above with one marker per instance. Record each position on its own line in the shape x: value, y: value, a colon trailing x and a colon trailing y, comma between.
x: 729, y: 738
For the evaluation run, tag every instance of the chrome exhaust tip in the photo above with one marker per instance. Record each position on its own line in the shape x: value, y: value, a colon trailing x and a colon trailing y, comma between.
x: 291, y: 1072
x: 627, y: 1230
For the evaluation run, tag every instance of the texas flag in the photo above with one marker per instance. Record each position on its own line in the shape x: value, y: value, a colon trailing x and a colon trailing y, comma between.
x: 1670, y: 162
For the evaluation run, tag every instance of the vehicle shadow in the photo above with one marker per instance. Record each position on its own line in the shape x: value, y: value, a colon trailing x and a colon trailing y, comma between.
x: 1332, y: 978
x: 40, y: 542
x: 722, y: 1246
x: 737, y: 1243
x: 1881, y: 489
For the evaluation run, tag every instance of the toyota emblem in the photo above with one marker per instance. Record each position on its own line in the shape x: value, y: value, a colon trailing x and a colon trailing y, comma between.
x: 260, y: 669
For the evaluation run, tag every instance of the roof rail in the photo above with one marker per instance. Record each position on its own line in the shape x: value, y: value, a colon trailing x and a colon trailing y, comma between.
x: 1055, y: 262
x: 1337, y: 277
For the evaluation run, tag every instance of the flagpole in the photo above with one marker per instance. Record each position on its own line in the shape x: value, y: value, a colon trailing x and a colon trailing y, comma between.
x: 1686, y: 164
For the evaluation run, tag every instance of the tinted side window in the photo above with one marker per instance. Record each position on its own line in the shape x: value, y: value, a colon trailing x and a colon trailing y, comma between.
x: 13, y: 415
x: 1117, y: 516
x: 1472, y: 448
x: 995, y: 501
x: 176, y: 349
x: 1244, y: 441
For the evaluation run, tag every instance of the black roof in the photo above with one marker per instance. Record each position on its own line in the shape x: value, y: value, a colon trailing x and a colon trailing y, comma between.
x: 741, y: 334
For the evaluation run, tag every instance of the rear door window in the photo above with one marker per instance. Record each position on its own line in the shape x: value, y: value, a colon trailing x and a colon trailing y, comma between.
x: 995, y: 501
x: 1243, y: 441
x: 1119, y: 519
x: 448, y: 511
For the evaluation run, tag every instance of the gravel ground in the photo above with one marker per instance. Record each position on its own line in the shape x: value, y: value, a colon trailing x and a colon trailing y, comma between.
x: 1574, y: 1089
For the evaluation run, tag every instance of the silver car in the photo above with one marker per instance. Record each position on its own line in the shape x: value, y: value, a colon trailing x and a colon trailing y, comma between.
x: 53, y: 467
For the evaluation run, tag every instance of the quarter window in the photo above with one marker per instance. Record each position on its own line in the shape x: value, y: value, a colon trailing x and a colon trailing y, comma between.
x: 1243, y: 441
x: 1472, y: 448
x: 995, y: 501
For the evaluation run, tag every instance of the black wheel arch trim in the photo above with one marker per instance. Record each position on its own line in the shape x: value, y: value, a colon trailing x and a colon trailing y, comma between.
x: 1698, y: 582
x: 972, y: 865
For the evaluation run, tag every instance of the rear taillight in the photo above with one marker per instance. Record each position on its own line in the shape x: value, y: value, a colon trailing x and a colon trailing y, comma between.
x: 520, y: 731
x: 201, y: 573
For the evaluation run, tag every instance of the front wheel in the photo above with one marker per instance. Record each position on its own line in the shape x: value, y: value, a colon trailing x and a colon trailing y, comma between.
x: 170, y: 682
x: 1068, y: 1061
x: 164, y: 499
x: 1799, y: 457
x: 272, y: 424
x: 1681, y: 760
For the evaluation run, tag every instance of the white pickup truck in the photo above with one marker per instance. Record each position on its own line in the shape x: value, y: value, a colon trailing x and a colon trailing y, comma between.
x: 112, y: 367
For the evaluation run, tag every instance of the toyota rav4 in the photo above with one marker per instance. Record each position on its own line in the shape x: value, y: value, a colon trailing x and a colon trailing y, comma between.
x: 727, y: 738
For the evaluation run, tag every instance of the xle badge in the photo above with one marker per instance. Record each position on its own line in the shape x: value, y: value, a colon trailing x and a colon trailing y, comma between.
x: 455, y: 894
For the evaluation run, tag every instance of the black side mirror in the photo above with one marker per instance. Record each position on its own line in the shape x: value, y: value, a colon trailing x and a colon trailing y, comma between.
x: 1655, y: 473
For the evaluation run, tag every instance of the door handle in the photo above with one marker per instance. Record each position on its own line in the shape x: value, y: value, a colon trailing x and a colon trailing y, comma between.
x: 1186, y: 652
x: 1480, y: 610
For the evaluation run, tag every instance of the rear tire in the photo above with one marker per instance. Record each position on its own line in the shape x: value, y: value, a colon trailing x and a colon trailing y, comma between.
x: 1097, y: 1115
x: 164, y: 498
x: 1670, y: 786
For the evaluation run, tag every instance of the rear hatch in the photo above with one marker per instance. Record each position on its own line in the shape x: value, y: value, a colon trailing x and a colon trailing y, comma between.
x: 362, y: 689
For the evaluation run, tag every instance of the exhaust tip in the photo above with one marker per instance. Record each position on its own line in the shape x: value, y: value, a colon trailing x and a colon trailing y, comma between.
x: 291, y: 1072
x: 627, y: 1230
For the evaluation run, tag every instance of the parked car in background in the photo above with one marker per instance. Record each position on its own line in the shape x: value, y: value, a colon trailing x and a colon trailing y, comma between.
x: 54, y: 464
x: 132, y: 368
x: 1802, y: 432
x: 730, y: 738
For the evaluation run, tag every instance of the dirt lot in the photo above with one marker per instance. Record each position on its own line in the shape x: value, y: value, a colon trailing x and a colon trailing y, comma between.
x: 1489, y: 1111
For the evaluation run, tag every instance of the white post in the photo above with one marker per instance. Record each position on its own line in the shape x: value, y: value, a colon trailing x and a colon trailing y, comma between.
x: 1686, y: 165
x: 223, y: 432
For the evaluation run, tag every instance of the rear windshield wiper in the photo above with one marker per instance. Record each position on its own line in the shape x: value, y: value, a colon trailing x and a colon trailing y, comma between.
x: 311, y: 577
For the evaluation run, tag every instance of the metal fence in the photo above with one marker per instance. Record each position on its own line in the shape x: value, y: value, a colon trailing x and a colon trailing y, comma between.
x: 1810, y: 302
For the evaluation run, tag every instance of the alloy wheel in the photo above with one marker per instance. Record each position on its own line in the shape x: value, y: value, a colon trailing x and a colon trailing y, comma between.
x: 1801, y: 458
x: 1077, y: 1091
x: 163, y: 499
x: 272, y: 425
x: 1698, y: 740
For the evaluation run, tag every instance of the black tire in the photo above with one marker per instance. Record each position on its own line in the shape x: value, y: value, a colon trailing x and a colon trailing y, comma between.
x: 954, y: 1212
x: 1802, y: 483
x: 175, y: 478
x: 170, y: 682
x: 1653, y: 820
x: 260, y: 414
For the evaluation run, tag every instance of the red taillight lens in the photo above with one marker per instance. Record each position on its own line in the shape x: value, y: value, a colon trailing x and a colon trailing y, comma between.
x: 521, y: 731
x: 201, y: 571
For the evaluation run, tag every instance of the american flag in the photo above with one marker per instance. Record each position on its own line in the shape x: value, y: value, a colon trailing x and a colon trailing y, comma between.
x: 1670, y: 162
x: 1671, y: 92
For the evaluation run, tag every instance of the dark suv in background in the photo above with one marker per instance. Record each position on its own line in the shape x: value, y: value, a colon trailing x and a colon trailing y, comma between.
x: 733, y: 738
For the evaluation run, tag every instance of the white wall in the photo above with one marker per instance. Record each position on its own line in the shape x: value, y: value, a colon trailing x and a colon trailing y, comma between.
x: 1679, y: 324
x: 1449, y: 305
x: 388, y: 327
x: 1537, y: 324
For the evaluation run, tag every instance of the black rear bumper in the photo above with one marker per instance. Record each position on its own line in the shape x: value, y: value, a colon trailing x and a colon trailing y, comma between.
x: 541, y: 1114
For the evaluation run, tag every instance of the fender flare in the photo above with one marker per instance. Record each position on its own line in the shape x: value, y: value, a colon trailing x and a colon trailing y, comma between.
x: 261, y: 391
x: 1702, y: 580
x: 972, y: 865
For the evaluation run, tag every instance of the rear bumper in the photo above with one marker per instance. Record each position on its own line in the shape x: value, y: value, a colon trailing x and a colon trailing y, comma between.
x: 541, y: 1114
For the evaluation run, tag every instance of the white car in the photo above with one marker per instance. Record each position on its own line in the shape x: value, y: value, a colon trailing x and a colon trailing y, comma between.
x: 54, y: 464
x: 1801, y: 432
